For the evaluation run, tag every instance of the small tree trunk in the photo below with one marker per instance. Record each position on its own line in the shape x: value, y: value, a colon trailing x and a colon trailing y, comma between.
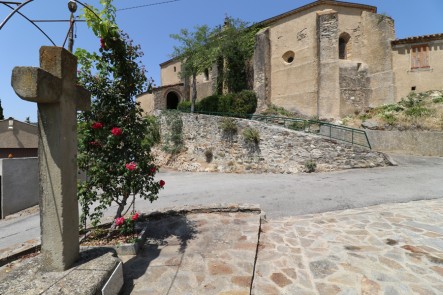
x: 120, y: 209
x: 194, y: 92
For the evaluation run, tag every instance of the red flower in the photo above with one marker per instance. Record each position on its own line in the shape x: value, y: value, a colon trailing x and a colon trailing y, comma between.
x: 162, y: 183
x: 119, y: 221
x: 131, y: 166
x: 97, y: 125
x: 94, y: 143
x: 135, y: 217
x: 153, y: 170
x: 116, y: 131
x: 102, y: 43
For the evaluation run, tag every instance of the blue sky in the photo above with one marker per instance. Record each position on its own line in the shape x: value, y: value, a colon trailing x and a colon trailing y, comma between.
x: 151, y: 26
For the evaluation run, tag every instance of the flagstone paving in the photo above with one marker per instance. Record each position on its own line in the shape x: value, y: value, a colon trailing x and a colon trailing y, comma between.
x: 205, y: 253
x: 386, y: 249
x: 391, y: 249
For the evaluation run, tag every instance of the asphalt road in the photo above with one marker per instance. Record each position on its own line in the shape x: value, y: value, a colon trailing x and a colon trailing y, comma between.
x: 415, y: 178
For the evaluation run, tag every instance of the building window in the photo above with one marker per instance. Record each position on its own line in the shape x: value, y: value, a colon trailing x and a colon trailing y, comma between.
x: 344, y: 51
x: 206, y: 74
x: 175, y: 69
x: 420, y: 57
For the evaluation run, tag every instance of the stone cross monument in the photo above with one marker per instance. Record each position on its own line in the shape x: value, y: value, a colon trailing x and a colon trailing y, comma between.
x: 53, y: 87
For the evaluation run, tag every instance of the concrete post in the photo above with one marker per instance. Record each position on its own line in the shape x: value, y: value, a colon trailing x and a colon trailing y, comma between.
x: 328, y: 101
x: 53, y: 87
x: 262, y: 69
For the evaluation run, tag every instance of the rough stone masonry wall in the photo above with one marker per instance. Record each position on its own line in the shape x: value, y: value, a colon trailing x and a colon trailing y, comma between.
x: 279, y: 151
x: 355, y: 86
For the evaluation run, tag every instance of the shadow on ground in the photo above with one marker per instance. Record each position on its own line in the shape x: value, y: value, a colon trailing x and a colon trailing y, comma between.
x: 163, y: 231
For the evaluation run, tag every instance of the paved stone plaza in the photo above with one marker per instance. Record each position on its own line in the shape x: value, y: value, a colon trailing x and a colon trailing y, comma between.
x: 383, y: 249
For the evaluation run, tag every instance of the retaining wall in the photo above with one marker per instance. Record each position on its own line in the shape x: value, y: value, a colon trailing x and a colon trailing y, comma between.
x: 280, y: 150
x: 407, y: 142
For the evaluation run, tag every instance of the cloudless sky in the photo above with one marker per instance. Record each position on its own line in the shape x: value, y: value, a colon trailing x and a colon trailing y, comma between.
x: 151, y: 26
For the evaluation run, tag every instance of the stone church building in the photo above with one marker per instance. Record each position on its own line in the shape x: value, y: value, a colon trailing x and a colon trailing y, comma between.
x: 327, y: 59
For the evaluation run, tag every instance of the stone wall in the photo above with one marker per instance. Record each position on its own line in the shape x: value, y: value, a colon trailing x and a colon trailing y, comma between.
x: 262, y: 66
x: 328, y: 71
x: 280, y: 150
x: 407, y: 142
x: 378, y: 32
x: 355, y: 86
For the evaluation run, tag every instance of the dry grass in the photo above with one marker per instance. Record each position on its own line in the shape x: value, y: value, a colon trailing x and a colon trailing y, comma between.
x: 418, y: 111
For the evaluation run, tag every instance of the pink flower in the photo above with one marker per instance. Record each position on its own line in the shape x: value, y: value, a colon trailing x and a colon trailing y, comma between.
x: 97, y: 125
x: 162, y: 183
x: 119, y: 221
x: 131, y: 166
x: 116, y: 131
x: 135, y: 217
x: 153, y: 170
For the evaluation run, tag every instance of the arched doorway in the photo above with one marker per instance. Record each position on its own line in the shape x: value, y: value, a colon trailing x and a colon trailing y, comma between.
x: 172, y: 100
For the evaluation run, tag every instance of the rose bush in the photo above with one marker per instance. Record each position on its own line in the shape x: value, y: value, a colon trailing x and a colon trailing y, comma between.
x: 116, y: 131
x: 126, y: 226
x: 113, y: 147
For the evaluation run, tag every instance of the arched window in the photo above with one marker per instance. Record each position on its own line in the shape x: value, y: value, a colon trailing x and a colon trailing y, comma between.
x: 344, y: 51
x: 172, y: 100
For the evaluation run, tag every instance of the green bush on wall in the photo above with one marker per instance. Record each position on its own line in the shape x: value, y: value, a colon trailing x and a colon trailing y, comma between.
x: 244, y: 102
x: 208, y: 104
x: 225, y: 103
x: 184, y: 106
x: 251, y: 135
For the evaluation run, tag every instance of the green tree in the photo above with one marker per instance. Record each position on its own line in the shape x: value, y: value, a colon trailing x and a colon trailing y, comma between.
x: 235, y: 48
x: 196, y: 52
x: 113, y: 146
x: 1, y: 111
x: 229, y: 47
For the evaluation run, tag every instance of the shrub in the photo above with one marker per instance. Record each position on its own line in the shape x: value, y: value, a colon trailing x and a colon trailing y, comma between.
x: 245, y: 102
x: 392, y: 108
x: 228, y: 126
x: 310, y: 166
x: 412, y: 100
x: 184, y: 106
x: 365, y: 116
x: 438, y: 99
x: 152, y: 136
x: 297, y: 125
x: 209, y: 155
x: 274, y: 110
x: 113, y: 150
x: 251, y: 135
x: 225, y: 103
x: 208, y: 104
x: 389, y: 118
x: 173, y: 140
x: 418, y: 111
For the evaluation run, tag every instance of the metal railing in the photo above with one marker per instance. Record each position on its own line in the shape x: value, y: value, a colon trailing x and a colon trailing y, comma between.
x: 343, y: 133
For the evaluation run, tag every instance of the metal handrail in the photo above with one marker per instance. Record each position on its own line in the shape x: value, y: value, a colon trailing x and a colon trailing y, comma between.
x: 305, y: 125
